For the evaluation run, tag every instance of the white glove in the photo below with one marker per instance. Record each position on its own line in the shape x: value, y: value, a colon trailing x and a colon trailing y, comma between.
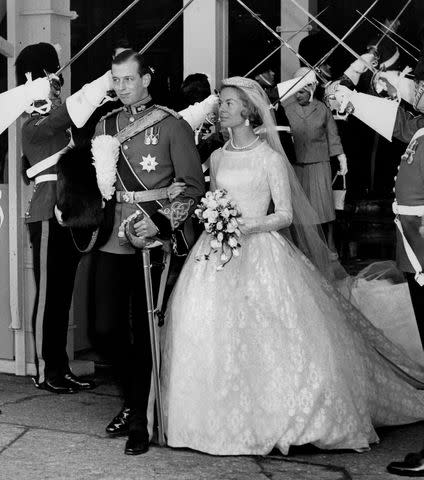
x: 82, y: 104
x: 58, y: 215
x: 38, y: 89
x: 96, y: 91
x: 395, y: 84
x: 358, y: 67
x: 343, y: 96
x: 196, y: 114
x: 343, y: 164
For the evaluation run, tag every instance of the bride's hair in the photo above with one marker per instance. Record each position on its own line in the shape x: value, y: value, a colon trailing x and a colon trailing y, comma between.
x: 305, y: 229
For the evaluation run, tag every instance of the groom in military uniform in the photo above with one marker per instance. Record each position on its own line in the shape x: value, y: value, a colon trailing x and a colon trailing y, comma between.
x: 156, y: 147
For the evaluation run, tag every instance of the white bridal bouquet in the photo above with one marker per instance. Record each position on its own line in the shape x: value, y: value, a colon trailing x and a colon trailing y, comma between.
x: 219, y: 215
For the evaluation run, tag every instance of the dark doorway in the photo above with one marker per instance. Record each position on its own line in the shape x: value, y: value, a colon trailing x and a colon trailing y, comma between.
x: 249, y: 41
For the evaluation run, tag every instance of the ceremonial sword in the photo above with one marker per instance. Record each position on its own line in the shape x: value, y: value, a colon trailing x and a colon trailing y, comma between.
x: 154, y: 341
x: 100, y: 34
x: 320, y: 62
x: 165, y: 27
x: 351, y: 29
x: 375, y: 25
x: 281, y: 45
x: 397, y: 35
x: 152, y: 313
x: 256, y: 17
x: 394, y: 21
x: 338, y: 40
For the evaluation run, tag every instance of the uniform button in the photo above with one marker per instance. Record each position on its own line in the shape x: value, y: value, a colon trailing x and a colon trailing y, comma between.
x: 125, y: 147
x: 394, y: 178
x: 131, y: 119
x: 398, y: 167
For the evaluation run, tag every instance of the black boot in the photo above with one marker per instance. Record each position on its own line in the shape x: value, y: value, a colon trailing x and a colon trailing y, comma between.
x: 412, y: 466
x: 59, y: 386
x: 78, y: 383
x: 137, y: 443
x: 120, y: 424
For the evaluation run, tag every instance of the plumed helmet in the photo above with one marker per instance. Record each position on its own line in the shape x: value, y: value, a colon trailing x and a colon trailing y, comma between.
x: 37, y: 59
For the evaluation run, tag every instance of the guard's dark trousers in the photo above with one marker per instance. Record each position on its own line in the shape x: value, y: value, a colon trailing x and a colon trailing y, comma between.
x: 55, y: 261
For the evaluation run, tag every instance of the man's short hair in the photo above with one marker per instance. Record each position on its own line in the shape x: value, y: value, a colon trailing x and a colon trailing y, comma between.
x: 195, y: 88
x: 126, y: 55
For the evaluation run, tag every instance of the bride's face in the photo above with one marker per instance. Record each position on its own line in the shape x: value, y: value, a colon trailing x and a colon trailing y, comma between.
x: 230, y: 108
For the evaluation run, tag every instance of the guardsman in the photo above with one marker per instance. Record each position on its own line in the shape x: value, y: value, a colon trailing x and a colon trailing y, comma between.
x: 409, y: 202
x: 156, y: 146
x: 45, y: 135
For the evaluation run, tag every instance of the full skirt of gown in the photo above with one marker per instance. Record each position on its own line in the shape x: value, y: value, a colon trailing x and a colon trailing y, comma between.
x: 266, y: 353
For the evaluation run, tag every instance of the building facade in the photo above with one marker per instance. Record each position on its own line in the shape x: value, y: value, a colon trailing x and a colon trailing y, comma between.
x: 217, y: 37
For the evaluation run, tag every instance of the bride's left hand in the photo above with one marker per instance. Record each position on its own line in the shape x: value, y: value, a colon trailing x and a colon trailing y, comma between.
x: 246, y: 225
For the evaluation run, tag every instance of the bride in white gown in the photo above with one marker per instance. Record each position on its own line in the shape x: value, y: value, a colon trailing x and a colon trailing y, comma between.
x: 266, y: 353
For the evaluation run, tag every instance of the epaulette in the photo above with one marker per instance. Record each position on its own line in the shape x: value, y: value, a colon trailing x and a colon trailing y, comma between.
x: 117, y: 110
x: 169, y: 110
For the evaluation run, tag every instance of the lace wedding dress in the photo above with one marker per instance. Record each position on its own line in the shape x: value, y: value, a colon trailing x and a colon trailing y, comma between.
x: 266, y: 353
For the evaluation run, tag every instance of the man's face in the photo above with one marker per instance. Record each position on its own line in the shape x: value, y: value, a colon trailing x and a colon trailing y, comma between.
x: 266, y: 79
x: 270, y: 76
x: 127, y: 82
x: 55, y: 89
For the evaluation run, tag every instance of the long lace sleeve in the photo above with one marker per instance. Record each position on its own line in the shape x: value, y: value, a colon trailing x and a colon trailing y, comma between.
x: 279, y: 185
x: 212, y: 170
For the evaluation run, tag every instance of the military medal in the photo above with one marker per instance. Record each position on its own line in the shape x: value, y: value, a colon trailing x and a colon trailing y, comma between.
x: 151, y: 137
x: 148, y: 136
x: 155, y: 136
x: 149, y: 163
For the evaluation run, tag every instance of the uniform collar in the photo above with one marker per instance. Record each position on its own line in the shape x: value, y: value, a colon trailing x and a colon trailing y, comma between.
x: 140, y: 106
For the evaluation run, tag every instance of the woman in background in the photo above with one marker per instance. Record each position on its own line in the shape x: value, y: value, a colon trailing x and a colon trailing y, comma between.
x: 316, y: 139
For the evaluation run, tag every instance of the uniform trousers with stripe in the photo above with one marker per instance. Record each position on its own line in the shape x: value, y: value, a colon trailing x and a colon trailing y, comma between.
x: 121, y: 332
x: 417, y: 298
x: 55, y: 261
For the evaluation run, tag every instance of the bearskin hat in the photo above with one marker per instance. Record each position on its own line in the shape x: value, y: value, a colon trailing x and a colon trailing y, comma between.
x: 37, y: 59
x: 78, y: 196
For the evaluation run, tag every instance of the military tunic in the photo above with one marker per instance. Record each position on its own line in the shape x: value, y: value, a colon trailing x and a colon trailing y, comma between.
x: 409, y: 187
x: 156, y: 156
x: 409, y: 191
x: 43, y: 138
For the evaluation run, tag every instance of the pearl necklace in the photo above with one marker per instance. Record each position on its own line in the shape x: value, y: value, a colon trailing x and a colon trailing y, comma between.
x: 245, y: 146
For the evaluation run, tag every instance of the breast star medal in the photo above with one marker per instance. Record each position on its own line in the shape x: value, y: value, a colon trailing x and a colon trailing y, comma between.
x: 149, y: 163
